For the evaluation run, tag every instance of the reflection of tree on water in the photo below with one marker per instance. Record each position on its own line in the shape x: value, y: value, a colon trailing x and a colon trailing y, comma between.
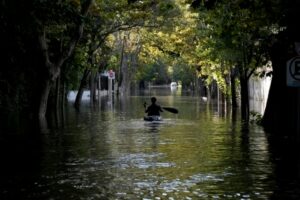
x: 284, y: 154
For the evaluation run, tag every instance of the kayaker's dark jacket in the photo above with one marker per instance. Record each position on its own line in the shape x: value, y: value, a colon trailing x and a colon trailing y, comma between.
x: 153, y: 109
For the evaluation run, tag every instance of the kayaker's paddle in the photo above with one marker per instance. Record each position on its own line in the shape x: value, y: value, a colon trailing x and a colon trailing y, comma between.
x: 172, y: 110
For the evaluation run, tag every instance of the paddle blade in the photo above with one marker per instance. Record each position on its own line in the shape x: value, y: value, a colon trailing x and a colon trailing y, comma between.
x: 172, y: 110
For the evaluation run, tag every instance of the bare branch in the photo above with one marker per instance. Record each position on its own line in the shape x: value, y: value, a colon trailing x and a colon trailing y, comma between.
x: 78, y: 33
x: 44, y: 47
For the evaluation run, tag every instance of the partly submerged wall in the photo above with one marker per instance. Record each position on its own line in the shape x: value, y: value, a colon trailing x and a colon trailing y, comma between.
x: 85, y: 96
x: 258, y: 93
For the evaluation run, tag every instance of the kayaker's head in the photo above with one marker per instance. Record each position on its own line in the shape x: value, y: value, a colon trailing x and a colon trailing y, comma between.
x: 153, y: 99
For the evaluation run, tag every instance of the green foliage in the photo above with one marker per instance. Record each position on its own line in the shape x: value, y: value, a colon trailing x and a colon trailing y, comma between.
x: 183, y: 73
x: 155, y: 73
x: 171, y: 44
x: 232, y: 34
x: 113, y: 62
x: 74, y: 69
x: 255, y: 117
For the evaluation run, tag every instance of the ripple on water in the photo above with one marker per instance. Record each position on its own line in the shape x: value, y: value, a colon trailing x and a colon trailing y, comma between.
x: 142, y: 161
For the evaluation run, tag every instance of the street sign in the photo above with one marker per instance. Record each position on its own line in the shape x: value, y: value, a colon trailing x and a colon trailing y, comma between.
x: 293, y: 72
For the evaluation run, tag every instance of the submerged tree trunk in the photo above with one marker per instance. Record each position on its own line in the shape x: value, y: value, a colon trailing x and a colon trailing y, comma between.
x: 125, y: 82
x: 44, y: 99
x: 83, y: 83
x: 233, y: 89
x: 130, y: 50
x: 58, y: 101
x: 127, y: 68
x: 196, y: 80
x: 57, y: 94
x: 244, y: 99
x: 93, y: 86
x: 60, y: 97
x: 95, y: 81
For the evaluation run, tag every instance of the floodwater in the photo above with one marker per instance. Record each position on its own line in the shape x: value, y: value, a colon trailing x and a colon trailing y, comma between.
x: 108, y: 152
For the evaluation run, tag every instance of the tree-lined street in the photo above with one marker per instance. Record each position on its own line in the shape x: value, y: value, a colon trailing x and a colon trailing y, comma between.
x: 208, y: 49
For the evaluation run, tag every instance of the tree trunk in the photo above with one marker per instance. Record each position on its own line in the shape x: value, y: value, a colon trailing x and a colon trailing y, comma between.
x: 244, y: 99
x: 95, y: 86
x: 44, y: 99
x: 125, y: 82
x: 92, y: 88
x: 52, y: 69
x: 233, y: 89
x: 280, y: 116
x: 208, y: 93
x: 58, y: 102
x: 60, y: 95
x: 128, y: 65
x: 57, y: 95
x: 83, y: 83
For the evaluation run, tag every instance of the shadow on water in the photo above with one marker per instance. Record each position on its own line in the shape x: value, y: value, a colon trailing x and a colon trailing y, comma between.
x: 107, y: 151
x: 21, y: 149
x: 286, y: 159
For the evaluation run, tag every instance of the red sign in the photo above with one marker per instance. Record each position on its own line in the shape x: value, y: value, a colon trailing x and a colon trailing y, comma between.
x: 111, y: 74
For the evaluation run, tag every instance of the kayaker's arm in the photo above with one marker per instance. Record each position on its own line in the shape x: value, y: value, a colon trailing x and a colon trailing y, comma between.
x: 161, y: 110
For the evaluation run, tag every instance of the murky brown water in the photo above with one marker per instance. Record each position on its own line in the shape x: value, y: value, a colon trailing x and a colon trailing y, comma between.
x: 109, y: 152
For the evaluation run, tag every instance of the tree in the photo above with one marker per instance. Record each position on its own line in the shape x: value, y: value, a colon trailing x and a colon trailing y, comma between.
x: 170, y: 46
x: 48, y: 32
x: 234, y: 36
x: 281, y: 116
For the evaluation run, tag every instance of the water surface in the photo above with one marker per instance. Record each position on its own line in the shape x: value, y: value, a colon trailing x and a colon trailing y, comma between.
x: 108, y: 152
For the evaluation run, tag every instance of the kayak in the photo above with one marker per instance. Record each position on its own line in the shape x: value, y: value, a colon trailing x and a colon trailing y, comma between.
x: 153, y: 118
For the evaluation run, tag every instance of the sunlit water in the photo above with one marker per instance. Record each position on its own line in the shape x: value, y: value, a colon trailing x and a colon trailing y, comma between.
x: 109, y: 152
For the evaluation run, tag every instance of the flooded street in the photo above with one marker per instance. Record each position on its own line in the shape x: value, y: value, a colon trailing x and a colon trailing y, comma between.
x: 109, y: 152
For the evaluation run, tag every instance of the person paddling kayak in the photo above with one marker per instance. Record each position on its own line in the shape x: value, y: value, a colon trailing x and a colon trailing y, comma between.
x: 153, y: 110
